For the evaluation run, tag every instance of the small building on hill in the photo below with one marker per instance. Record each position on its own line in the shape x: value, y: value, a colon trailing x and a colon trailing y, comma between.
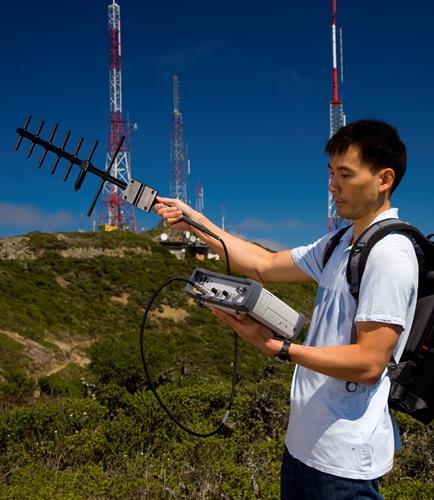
x: 184, y: 244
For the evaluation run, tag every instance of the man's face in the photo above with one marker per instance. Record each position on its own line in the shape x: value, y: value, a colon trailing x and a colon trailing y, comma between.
x: 357, y: 191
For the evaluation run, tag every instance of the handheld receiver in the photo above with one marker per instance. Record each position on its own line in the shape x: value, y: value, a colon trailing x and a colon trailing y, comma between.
x: 244, y: 295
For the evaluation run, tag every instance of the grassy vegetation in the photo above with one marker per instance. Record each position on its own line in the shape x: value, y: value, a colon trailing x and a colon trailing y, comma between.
x: 11, y: 355
x: 97, y: 432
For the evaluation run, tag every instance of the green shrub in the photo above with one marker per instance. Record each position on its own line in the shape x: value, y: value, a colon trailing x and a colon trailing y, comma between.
x: 415, y: 461
x: 56, y: 385
x: 408, y: 490
x: 114, y: 397
x: 47, y: 421
x: 17, y: 385
x: 117, y: 360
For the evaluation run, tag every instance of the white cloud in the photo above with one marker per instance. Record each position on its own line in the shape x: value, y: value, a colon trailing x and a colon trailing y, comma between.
x: 256, y: 230
x: 253, y: 224
x: 30, y: 217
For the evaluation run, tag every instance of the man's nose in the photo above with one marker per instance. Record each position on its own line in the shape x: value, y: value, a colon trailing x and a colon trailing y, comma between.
x: 333, y: 187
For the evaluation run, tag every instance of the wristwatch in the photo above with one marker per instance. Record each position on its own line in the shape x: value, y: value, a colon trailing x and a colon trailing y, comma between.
x: 283, y: 354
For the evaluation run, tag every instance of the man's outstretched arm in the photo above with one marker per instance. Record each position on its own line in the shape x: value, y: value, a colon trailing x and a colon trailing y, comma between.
x: 245, y: 257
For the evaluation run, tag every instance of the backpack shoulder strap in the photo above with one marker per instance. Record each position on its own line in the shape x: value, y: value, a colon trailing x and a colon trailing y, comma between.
x: 332, y: 243
x: 424, y: 249
x: 371, y: 236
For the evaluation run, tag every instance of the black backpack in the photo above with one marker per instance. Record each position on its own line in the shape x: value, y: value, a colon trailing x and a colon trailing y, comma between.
x: 412, y: 379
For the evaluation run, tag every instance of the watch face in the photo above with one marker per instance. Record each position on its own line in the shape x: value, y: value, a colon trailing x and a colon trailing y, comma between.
x: 283, y: 353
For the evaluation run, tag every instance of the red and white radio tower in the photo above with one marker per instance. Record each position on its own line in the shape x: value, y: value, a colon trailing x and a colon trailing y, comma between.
x: 337, y: 120
x: 117, y: 214
x: 179, y: 164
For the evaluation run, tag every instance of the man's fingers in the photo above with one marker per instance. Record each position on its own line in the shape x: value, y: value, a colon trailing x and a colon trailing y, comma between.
x: 242, y: 318
x: 162, y: 207
x: 173, y: 220
x: 172, y: 202
x: 165, y: 201
x: 168, y: 212
x: 230, y: 318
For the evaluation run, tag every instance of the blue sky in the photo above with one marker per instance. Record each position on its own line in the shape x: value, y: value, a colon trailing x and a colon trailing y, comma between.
x: 255, y: 82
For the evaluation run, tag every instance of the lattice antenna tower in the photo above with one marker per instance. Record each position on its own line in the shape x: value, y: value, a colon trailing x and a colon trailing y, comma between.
x: 115, y: 213
x: 337, y: 117
x: 179, y: 164
x: 199, y: 198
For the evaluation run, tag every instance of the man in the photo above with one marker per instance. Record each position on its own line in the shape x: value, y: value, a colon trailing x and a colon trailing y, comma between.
x: 340, y: 436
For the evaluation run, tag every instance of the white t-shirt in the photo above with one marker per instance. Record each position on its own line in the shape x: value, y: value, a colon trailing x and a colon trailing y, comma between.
x: 350, y: 434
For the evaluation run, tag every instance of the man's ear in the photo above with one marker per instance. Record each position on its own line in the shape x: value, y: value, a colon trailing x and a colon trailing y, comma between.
x: 387, y: 177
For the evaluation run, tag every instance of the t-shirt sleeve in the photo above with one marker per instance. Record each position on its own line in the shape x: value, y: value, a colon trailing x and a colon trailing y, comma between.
x: 309, y: 258
x: 389, y: 282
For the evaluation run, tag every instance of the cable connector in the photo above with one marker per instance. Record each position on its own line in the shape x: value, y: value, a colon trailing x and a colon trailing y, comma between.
x: 200, y: 288
x: 140, y: 195
x: 226, y: 417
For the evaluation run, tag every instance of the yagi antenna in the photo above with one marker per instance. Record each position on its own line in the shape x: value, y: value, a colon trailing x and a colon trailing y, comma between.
x: 134, y: 192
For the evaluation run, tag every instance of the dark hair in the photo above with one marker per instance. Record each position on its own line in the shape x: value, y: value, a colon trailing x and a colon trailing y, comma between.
x: 379, y: 145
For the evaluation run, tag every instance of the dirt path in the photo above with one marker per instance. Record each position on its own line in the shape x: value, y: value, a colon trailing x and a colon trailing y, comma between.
x: 46, y: 361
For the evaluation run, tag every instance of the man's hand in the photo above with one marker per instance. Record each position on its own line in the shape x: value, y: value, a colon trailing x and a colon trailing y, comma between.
x: 251, y: 331
x: 171, y: 210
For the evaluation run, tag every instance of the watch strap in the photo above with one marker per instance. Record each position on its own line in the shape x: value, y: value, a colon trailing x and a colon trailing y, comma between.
x: 283, y: 354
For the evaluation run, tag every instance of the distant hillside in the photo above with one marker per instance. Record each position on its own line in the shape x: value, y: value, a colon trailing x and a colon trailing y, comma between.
x: 78, y: 420
x: 61, y: 293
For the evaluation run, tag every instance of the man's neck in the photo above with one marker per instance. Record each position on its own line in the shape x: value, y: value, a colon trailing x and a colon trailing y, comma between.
x: 363, y: 222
